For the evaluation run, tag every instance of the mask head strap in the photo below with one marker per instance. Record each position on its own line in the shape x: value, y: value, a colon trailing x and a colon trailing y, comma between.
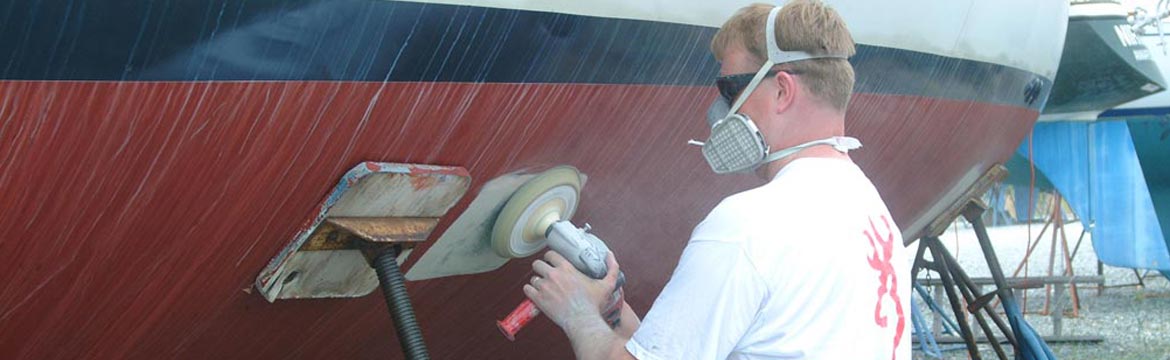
x: 775, y: 57
x: 756, y: 80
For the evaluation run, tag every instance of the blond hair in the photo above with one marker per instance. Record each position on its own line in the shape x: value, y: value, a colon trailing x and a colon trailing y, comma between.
x: 802, y: 25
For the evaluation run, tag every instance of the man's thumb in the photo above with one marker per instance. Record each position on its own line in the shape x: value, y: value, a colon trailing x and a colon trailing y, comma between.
x: 611, y: 267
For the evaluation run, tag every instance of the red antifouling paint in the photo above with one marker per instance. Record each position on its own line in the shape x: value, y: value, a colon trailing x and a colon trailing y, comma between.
x: 518, y: 318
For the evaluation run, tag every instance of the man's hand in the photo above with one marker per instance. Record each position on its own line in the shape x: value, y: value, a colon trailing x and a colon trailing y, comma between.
x: 566, y: 295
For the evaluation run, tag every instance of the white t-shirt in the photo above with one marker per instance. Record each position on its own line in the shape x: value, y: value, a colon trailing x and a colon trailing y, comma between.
x: 808, y: 266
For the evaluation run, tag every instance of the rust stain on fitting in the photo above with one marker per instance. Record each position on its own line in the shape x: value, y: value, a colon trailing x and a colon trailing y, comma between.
x: 341, y: 233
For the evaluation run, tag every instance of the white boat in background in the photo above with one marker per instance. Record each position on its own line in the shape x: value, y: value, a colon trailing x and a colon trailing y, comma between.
x: 1104, y: 65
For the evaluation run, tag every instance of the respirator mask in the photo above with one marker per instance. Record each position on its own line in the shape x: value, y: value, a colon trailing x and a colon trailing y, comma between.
x: 736, y: 144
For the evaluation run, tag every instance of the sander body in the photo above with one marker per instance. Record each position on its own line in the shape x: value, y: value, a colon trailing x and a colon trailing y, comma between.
x: 537, y: 215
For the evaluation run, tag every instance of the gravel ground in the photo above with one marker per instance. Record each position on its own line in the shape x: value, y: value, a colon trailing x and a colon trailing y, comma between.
x: 1134, y: 320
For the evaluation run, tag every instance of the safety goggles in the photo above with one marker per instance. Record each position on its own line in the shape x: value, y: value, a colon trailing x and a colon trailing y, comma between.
x: 731, y: 86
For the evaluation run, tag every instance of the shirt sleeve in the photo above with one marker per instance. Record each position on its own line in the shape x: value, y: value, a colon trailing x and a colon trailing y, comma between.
x: 708, y: 305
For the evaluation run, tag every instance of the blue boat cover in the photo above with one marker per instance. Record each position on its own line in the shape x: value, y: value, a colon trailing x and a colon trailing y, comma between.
x: 1151, y: 139
x: 1095, y: 166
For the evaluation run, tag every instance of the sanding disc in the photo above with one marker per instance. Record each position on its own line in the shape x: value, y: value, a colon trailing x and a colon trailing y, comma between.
x: 552, y: 196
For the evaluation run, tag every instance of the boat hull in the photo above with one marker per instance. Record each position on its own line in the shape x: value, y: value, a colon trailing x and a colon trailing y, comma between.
x: 152, y: 220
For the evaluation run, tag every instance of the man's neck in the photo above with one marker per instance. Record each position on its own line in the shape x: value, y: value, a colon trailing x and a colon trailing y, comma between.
x: 816, y: 151
x: 832, y: 124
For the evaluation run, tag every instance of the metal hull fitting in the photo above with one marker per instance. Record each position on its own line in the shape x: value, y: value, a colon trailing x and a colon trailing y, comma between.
x: 142, y: 211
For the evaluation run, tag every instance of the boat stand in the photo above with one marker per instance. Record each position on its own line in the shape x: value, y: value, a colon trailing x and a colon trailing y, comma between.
x: 958, y: 286
x: 965, y: 293
x: 1140, y: 277
x: 1055, y: 285
x: 960, y: 289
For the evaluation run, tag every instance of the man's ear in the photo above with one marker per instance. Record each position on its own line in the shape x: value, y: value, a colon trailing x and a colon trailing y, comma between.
x: 787, y: 91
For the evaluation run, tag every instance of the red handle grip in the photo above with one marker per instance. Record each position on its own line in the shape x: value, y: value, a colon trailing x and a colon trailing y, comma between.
x: 518, y: 319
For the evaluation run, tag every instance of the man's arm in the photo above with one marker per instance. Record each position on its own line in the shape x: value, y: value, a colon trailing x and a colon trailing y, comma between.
x: 592, y: 339
x: 707, y: 306
x: 608, y: 344
x: 629, y: 322
x: 573, y: 301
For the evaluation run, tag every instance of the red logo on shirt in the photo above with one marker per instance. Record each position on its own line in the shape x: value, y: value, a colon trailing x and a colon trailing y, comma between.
x: 883, y: 250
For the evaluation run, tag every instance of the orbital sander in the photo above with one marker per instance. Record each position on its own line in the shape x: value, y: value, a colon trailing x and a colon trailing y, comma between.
x: 537, y: 215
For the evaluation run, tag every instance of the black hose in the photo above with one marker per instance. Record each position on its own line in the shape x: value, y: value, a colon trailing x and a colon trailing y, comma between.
x: 394, y: 288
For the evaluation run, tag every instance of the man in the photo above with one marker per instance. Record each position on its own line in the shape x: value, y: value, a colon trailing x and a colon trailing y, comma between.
x: 809, y: 265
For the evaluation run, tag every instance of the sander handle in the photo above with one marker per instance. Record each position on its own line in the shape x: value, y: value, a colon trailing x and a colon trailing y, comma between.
x: 585, y: 251
x: 518, y: 319
x: 527, y: 310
